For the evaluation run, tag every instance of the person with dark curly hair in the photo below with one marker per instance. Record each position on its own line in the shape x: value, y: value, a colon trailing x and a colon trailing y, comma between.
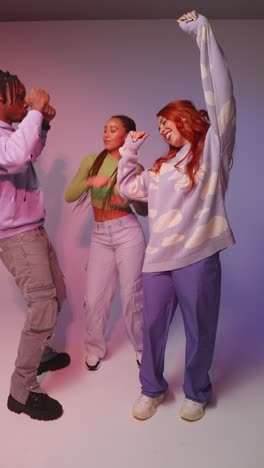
x: 25, y: 248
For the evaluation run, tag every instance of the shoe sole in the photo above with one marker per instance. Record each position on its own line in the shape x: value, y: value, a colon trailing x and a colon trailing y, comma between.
x: 19, y: 408
x: 186, y: 418
x: 141, y: 418
x: 93, y: 368
x: 44, y: 367
x: 192, y: 420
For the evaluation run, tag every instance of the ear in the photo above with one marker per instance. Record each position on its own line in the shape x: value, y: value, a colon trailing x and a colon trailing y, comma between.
x: 2, y: 103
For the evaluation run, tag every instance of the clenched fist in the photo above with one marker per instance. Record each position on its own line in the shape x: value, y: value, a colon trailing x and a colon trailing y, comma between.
x: 48, y: 114
x: 37, y: 99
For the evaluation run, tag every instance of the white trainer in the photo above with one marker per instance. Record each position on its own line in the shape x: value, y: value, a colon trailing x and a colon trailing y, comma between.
x: 145, y: 406
x: 92, y: 362
x: 192, y: 410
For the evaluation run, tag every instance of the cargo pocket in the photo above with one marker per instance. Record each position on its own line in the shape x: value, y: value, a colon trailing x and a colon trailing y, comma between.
x: 42, y: 307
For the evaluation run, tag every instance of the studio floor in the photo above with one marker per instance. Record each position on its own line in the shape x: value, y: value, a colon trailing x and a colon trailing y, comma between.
x: 97, y: 429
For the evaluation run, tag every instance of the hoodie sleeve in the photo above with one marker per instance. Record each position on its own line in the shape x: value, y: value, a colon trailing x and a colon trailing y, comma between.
x: 132, y: 185
x: 22, y: 146
x: 217, y: 83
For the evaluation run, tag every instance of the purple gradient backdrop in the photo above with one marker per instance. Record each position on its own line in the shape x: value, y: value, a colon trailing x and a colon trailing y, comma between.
x: 93, y: 69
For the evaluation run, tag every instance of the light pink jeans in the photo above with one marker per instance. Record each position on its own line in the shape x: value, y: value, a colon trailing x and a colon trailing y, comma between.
x: 32, y: 261
x: 117, y: 246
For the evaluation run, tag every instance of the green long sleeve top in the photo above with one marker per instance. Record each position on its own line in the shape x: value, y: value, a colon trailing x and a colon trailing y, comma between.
x: 104, y: 206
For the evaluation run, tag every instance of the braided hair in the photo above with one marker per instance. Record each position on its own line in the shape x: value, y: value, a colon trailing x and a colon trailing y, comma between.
x: 10, y: 81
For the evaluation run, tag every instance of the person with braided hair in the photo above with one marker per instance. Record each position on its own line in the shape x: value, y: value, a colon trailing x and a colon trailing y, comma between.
x: 188, y: 226
x: 117, y: 244
x: 25, y: 248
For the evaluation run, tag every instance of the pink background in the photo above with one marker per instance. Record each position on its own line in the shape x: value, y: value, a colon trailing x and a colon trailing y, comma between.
x: 93, y: 69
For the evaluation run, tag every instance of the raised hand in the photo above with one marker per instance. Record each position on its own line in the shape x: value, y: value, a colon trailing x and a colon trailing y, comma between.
x: 48, y: 114
x: 133, y: 142
x: 190, y: 16
x: 37, y: 99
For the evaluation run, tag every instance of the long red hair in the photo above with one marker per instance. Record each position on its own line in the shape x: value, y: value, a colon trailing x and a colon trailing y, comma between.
x: 192, y: 124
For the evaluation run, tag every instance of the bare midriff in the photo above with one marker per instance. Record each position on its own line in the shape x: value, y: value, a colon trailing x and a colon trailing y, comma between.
x: 101, y: 215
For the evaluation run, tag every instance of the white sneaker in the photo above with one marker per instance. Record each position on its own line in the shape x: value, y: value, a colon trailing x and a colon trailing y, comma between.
x: 138, y: 358
x: 192, y: 410
x: 92, y: 362
x: 146, y: 406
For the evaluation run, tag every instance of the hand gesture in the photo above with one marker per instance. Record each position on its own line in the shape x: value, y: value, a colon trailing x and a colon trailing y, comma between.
x: 190, y: 16
x: 98, y: 181
x: 37, y: 99
x: 48, y: 114
x: 133, y: 141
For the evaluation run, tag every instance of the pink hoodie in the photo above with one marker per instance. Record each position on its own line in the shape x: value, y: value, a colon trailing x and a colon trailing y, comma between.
x: 21, y: 198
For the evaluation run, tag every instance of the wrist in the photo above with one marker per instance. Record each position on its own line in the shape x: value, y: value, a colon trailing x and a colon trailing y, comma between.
x: 45, y: 126
x: 125, y: 151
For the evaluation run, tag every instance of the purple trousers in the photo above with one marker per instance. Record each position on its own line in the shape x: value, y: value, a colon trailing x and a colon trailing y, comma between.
x: 196, y: 288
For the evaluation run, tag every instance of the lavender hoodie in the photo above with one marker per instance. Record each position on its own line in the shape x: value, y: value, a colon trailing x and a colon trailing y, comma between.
x: 21, y: 198
x: 188, y: 227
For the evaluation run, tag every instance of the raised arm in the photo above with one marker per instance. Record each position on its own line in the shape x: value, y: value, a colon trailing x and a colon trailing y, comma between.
x: 131, y: 185
x: 23, y: 146
x: 216, y: 81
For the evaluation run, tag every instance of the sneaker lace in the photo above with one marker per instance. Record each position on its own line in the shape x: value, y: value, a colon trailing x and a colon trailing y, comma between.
x: 147, y: 401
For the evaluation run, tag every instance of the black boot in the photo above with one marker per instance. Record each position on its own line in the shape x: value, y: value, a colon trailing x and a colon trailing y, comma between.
x: 58, y: 361
x: 38, y: 406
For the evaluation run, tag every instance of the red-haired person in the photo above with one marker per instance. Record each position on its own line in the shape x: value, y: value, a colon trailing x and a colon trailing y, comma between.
x: 117, y: 244
x: 188, y: 226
